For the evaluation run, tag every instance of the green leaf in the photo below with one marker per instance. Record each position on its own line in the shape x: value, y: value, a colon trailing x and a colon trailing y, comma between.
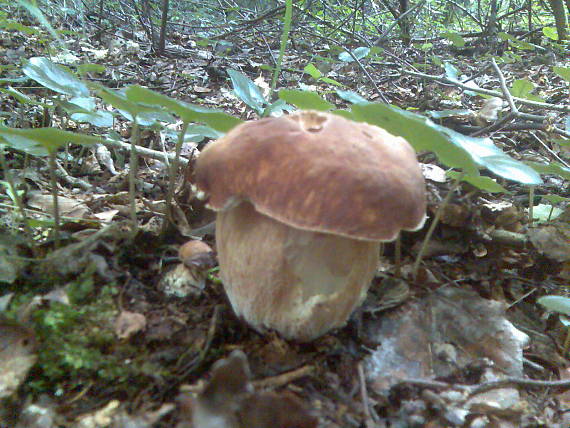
x: 216, y: 119
x: 23, y: 145
x: 543, y: 213
x: 49, y: 139
x: 149, y: 117
x: 146, y: 115
x: 481, y: 182
x: 358, y: 53
x: 451, y: 72
x: 455, y: 38
x: 83, y: 109
x: 305, y: 100
x: 436, y: 60
x: 83, y: 69
x: 101, y: 119
x: 444, y: 114
x: 197, y: 133
x: 515, y: 43
x: 351, y: 97
x: 313, y: 71
x: 118, y: 100
x: 14, y: 25
x: 555, y: 199
x: 37, y: 13
x: 559, y: 304
x: 20, y: 97
x: 14, y: 80
x: 278, y: 107
x: 85, y: 103
x: 554, y: 168
x: 330, y: 81
x: 550, y: 32
x: 54, y: 77
x: 247, y: 91
x: 521, y: 88
x: 563, y: 72
x: 452, y: 148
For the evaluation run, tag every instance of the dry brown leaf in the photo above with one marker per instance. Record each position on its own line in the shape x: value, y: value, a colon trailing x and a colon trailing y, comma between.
x: 128, y: 324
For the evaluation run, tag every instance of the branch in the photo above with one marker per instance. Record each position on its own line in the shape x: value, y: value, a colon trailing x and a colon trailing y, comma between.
x: 442, y: 79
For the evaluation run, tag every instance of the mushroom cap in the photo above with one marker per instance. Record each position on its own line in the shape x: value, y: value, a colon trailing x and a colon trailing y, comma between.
x: 319, y: 172
x: 196, y: 254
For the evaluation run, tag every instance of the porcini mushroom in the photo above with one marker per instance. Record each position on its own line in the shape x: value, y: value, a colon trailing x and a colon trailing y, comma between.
x: 303, y: 202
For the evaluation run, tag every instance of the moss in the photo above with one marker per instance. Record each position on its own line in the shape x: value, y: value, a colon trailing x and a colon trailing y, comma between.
x: 78, y: 346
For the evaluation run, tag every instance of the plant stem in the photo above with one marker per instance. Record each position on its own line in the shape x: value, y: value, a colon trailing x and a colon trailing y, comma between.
x: 434, y: 223
x: 15, y: 196
x: 398, y: 256
x: 284, y: 38
x: 53, y: 179
x: 172, y: 175
x: 133, y: 173
x: 530, y: 205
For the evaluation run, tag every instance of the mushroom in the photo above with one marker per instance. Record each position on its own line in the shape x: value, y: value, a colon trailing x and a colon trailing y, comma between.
x: 303, y: 202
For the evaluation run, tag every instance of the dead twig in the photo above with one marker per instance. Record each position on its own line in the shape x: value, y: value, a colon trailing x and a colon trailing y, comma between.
x: 519, y: 382
x: 147, y: 153
x: 364, y: 396
x: 284, y: 378
x: 536, y: 104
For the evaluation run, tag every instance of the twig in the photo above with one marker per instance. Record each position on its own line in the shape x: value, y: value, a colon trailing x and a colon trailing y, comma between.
x: 519, y: 382
x: 380, y: 93
x: 148, y: 153
x: 250, y: 23
x: 432, y: 384
x: 283, y: 378
x: 434, y: 223
x: 64, y: 175
x: 549, y: 150
x: 507, y: 237
x: 506, y: 94
x: 443, y: 79
x: 364, y: 396
x: 473, y: 130
x: 384, y: 35
x: 204, y: 351
x: 520, y: 299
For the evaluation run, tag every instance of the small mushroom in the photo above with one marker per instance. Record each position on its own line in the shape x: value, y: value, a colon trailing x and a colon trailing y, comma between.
x: 303, y: 202
x: 196, y: 255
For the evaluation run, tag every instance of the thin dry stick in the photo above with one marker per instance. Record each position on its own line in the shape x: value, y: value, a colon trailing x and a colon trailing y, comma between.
x: 284, y: 378
x: 504, y: 89
x: 549, y: 150
x: 507, y: 95
x: 434, y: 223
x: 147, y: 153
x: 365, y: 71
x: 364, y: 396
x: 519, y: 382
x: 536, y: 104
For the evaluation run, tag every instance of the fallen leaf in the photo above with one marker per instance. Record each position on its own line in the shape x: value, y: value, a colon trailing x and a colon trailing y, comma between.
x: 129, y: 323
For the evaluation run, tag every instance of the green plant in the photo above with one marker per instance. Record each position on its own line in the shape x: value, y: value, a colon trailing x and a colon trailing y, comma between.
x: 44, y: 142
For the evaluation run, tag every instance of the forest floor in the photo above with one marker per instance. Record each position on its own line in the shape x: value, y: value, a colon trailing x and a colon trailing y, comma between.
x: 118, y: 333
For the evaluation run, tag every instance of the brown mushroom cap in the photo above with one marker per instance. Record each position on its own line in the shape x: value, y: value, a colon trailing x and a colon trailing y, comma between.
x: 319, y: 172
x: 196, y: 254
